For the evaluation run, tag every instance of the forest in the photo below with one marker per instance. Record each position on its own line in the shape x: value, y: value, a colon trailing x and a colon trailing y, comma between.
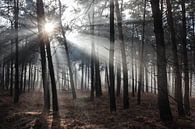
x: 97, y: 64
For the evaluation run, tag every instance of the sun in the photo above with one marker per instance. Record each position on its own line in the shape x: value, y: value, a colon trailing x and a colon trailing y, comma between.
x: 49, y: 27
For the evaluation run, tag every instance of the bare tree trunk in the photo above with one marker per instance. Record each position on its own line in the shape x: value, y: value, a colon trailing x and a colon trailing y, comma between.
x: 132, y: 63
x: 92, y: 57
x: 52, y: 76
x: 141, y: 60
x: 124, y: 61
x: 97, y: 75
x: 67, y: 54
x: 185, y: 59
x: 40, y: 18
x: 111, y: 60
x: 16, y: 89
x: 178, y: 81
x: 82, y: 75
x: 163, y: 101
x: 118, y: 90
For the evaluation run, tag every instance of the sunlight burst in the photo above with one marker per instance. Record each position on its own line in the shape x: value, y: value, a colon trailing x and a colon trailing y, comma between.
x: 49, y: 27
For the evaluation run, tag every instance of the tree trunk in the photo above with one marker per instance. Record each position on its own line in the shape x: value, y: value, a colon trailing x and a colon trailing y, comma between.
x: 52, y: 76
x: 67, y: 54
x: 141, y: 59
x: 124, y: 62
x: 185, y: 59
x: 16, y: 89
x: 40, y: 18
x: 111, y: 60
x: 163, y: 100
x: 97, y: 76
x: 178, y: 81
x: 132, y: 63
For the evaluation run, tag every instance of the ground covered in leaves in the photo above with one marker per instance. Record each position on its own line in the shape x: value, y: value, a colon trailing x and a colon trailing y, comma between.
x: 85, y: 114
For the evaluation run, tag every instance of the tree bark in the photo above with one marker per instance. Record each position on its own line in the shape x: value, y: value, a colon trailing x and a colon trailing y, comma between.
x: 40, y: 18
x: 111, y: 60
x: 185, y: 59
x: 163, y: 100
x: 124, y: 61
x: 16, y: 89
x: 178, y: 80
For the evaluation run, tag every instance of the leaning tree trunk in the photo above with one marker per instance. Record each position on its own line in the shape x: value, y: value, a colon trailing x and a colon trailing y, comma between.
x: 163, y: 100
x: 67, y: 54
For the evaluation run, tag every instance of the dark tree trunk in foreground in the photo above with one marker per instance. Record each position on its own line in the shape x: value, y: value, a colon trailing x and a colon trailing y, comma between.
x: 163, y: 100
x: 40, y: 17
x: 52, y: 76
x: 124, y: 61
x: 92, y: 57
x: 16, y: 89
x: 185, y: 59
x: 178, y: 81
x: 111, y: 60
x: 67, y: 54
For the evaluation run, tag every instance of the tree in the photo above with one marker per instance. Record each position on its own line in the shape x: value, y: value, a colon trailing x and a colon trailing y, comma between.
x: 67, y: 53
x: 185, y: 59
x: 40, y: 19
x: 141, y: 60
x: 111, y: 60
x: 124, y: 62
x: 163, y: 100
x: 178, y: 81
x: 16, y: 89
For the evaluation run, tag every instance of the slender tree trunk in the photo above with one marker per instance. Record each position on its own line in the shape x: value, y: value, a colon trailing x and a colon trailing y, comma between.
x: 124, y: 62
x: 29, y: 76
x: 111, y: 60
x: 82, y: 75
x: 118, y: 90
x: 97, y: 76
x: 67, y: 54
x: 52, y: 76
x: 185, y: 59
x: 141, y: 62
x: 16, y: 89
x: 40, y: 18
x: 178, y: 81
x: 163, y: 100
x: 92, y: 57
x: 132, y: 63
x: 146, y: 78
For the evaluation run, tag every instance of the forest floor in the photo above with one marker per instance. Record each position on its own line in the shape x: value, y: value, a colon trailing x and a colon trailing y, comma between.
x: 84, y: 114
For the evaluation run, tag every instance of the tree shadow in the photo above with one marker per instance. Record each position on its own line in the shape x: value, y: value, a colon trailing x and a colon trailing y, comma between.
x: 56, y: 123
